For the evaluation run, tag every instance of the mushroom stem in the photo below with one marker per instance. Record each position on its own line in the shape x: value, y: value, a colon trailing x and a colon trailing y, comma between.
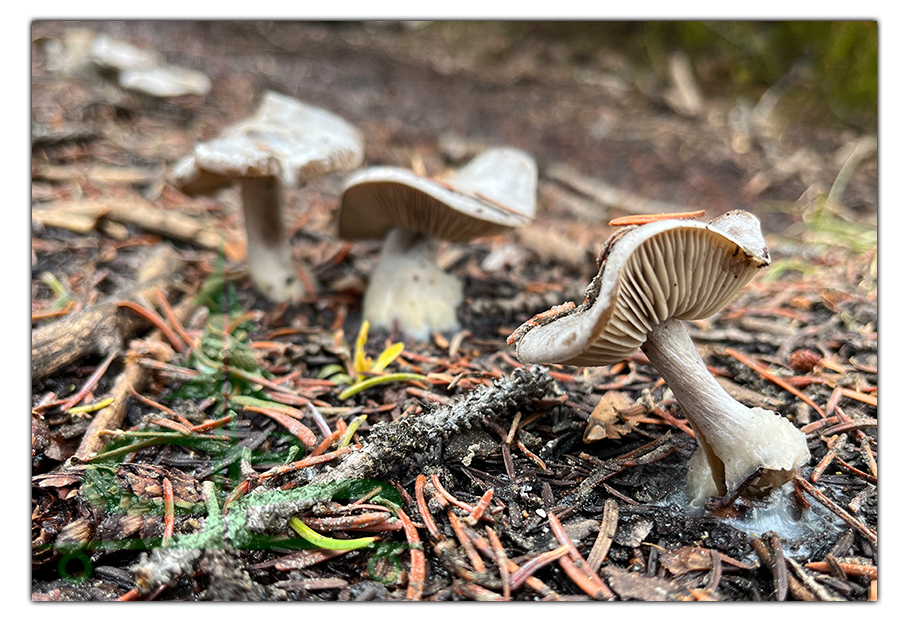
x: 268, y: 250
x: 734, y: 440
x: 408, y: 288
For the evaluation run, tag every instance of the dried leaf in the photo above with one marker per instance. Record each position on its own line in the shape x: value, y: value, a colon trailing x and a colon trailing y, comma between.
x: 687, y: 559
x: 146, y: 480
x: 602, y: 423
x: 634, y: 586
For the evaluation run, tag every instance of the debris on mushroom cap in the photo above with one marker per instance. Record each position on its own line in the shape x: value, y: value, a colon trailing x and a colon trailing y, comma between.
x: 643, y: 219
x: 496, y: 191
x: 670, y: 269
x: 165, y: 81
x: 285, y: 138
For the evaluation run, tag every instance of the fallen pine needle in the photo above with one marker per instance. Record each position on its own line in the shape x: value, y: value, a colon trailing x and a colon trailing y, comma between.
x: 424, y: 512
x: 643, y: 219
x: 91, y: 407
x: 848, y: 568
x: 766, y: 374
x: 324, y: 542
x: 169, y: 504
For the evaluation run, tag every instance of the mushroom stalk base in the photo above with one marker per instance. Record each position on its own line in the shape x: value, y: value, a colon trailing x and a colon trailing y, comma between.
x: 734, y: 440
x: 409, y: 290
x: 268, y: 250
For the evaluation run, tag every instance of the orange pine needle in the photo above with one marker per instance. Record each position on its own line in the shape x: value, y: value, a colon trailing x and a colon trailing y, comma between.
x: 541, y: 560
x: 171, y: 425
x: 424, y: 512
x: 302, y: 463
x: 293, y: 426
x: 859, y: 396
x: 502, y: 560
x: 644, y: 219
x: 778, y: 381
x: 327, y: 443
x: 450, y: 497
x: 170, y: 315
x: 849, y: 568
x: 169, y: 504
x: 156, y: 320
x: 212, y: 424
x: 416, y: 585
x: 465, y: 542
x: 576, y: 567
x: 130, y: 596
x: 481, y: 507
x: 89, y: 385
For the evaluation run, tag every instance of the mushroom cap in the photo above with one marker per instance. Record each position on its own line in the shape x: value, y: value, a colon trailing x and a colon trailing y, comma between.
x: 108, y: 52
x: 165, y: 81
x: 680, y: 269
x: 494, y: 192
x: 286, y: 139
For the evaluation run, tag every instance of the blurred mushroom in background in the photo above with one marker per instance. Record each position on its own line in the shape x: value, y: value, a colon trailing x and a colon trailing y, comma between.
x: 284, y: 144
x: 494, y: 192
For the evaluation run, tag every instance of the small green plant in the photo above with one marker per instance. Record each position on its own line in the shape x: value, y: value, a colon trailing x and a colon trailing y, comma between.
x: 824, y: 226
x: 362, y: 372
x: 62, y: 296
x: 324, y: 542
x: 223, y: 356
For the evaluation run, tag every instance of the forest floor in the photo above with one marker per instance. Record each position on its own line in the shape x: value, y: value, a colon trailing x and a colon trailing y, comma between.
x: 188, y: 484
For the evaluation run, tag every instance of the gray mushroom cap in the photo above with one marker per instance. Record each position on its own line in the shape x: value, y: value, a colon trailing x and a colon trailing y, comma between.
x: 108, y: 52
x: 286, y: 139
x: 165, y: 81
x: 680, y: 269
x: 495, y: 192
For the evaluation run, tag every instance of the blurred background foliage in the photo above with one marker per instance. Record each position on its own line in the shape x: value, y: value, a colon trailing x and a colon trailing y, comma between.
x: 833, y: 64
x: 839, y: 58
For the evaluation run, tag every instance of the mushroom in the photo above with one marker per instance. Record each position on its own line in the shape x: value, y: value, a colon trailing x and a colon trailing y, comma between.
x: 145, y: 71
x: 165, y: 81
x: 651, y: 278
x: 285, y: 143
x: 495, y: 192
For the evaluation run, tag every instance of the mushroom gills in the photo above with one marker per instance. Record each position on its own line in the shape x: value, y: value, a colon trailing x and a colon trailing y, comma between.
x: 651, y: 278
x: 408, y: 290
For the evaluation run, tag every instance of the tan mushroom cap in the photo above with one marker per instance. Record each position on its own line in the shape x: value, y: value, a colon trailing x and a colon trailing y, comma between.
x: 165, y: 81
x: 680, y: 269
x: 108, y: 52
x: 495, y: 192
x: 285, y: 138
